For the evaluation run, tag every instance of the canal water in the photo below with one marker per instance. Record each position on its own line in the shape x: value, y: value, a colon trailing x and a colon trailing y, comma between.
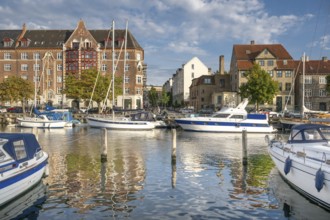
x: 140, y: 180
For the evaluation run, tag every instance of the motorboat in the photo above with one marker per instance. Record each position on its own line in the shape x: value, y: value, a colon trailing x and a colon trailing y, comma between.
x: 228, y: 119
x: 23, y: 164
x: 304, y: 161
x: 137, y: 121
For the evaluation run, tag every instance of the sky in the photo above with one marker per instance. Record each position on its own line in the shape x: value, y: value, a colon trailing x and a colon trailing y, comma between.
x: 172, y: 32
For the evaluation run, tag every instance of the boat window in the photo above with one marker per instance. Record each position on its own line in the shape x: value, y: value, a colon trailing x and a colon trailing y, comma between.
x: 237, y: 116
x: 19, y: 149
x: 221, y: 115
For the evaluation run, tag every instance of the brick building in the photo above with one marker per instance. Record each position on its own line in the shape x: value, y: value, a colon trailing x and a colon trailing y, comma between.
x: 50, y: 55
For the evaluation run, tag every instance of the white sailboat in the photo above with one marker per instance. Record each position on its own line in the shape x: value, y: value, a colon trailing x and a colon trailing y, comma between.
x: 122, y: 123
x: 48, y: 119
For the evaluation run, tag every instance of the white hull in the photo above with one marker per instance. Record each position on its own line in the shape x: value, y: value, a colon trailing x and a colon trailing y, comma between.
x: 302, y: 176
x: 217, y: 125
x: 119, y: 124
x: 40, y: 123
x: 10, y: 192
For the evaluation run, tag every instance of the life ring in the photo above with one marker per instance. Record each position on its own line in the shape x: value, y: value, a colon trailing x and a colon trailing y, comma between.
x: 287, y: 165
x: 319, y: 180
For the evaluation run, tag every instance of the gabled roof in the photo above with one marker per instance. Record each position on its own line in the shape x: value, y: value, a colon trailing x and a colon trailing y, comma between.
x: 314, y: 67
x: 251, y: 51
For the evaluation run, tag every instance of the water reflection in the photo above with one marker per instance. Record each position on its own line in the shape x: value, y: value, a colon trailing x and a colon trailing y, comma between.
x: 140, y: 179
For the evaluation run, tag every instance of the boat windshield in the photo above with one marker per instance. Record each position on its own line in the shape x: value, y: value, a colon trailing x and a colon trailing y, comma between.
x: 220, y: 115
x: 308, y: 135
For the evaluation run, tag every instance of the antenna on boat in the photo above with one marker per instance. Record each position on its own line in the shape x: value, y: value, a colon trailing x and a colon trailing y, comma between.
x: 113, y: 69
x: 125, y: 64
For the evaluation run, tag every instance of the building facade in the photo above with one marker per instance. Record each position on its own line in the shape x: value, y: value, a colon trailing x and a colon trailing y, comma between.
x: 49, y: 55
x: 272, y: 58
x: 182, y: 80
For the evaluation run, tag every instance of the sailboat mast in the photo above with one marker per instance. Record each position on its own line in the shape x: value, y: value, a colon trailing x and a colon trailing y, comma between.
x: 303, y: 86
x: 113, y: 69
x: 125, y: 65
x: 35, y: 84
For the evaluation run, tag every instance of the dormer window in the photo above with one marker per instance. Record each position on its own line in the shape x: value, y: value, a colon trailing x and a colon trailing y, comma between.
x: 25, y: 42
x: 8, y: 42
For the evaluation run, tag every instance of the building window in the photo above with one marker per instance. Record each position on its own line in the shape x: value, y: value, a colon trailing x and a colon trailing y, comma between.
x: 308, y: 105
x: 7, y: 67
x: 192, y: 75
x: 279, y: 74
x: 138, y: 56
x: 126, y: 90
x: 7, y: 56
x: 24, y: 67
x: 36, y: 56
x: 261, y: 63
x: 59, y: 67
x: 59, y: 56
x: 270, y: 63
x: 285, y: 62
x: 104, y: 67
x: 59, y: 91
x: 288, y: 73
x: 288, y: 100
x: 270, y: 72
x: 139, y: 80
x: 322, y: 93
x: 322, y: 80
x: 126, y: 67
x: 126, y: 79
x: 308, y: 93
x: 24, y: 56
x: 192, y: 66
x: 127, y: 57
x: 49, y: 71
x: 138, y: 91
x: 104, y: 56
x: 280, y: 86
x: 36, y: 67
x: 59, y: 79
x: 222, y: 83
x: 308, y: 80
x: 116, y: 56
x: 287, y: 86
x: 242, y: 74
x: 207, y: 81
x: 75, y: 45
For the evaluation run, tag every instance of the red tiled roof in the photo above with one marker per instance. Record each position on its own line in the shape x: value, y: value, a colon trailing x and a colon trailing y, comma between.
x: 314, y: 67
x: 251, y: 51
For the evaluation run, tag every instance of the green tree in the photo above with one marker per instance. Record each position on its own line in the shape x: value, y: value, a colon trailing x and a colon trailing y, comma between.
x: 260, y: 87
x: 15, y: 89
x: 165, y: 98
x: 82, y: 87
x: 153, y: 97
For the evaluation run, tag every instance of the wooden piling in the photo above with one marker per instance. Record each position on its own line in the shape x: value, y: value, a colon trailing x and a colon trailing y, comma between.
x: 244, y: 147
x: 104, y: 145
x: 173, y: 146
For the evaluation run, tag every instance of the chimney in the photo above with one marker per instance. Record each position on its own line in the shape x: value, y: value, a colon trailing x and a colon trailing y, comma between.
x: 252, y: 42
x: 222, y: 65
x: 325, y: 59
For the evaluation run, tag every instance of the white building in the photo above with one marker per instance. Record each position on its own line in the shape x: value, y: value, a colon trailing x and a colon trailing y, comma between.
x: 183, y: 77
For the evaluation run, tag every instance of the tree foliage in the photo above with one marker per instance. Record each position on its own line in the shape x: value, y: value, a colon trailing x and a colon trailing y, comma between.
x: 14, y: 89
x: 153, y: 97
x: 82, y: 87
x: 260, y: 87
x: 165, y: 98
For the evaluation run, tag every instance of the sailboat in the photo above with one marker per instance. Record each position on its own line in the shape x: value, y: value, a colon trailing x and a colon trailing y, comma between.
x: 140, y: 121
x: 47, y: 119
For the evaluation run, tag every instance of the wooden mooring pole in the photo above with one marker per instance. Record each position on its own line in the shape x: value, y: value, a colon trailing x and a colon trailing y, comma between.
x: 173, y: 157
x: 244, y: 147
x: 104, y: 145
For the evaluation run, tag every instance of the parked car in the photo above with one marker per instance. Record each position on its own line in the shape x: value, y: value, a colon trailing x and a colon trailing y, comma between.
x: 3, y: 109
x: 16, y: 109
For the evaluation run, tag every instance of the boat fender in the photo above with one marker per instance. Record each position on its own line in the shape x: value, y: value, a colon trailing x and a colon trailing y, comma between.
x: 287, y: 165
x: 319, y: 180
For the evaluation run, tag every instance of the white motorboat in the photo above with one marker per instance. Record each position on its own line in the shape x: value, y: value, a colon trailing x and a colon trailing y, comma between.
x: 228, y: 120
x: 22, y: 164
x: 304, y: 161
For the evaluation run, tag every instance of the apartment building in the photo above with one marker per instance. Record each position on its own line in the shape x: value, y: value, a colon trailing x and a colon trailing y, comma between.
x: 316, y: 97
x: 274, y: 59
x: 49, y: 55
x: 183, y: 77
